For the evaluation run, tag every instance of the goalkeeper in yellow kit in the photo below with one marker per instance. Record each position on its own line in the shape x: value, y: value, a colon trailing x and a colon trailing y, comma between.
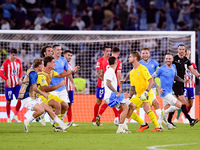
x: 141, y: 83
x: 43, y: 81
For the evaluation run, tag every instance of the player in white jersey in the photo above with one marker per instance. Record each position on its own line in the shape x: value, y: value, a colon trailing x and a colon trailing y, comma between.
x: 114, y: 98
x: 70, y: 86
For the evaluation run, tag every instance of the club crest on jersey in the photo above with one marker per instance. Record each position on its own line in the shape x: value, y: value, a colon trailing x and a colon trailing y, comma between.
x: 152, y: 65
x: 138, y: 73
x: 43, y: 81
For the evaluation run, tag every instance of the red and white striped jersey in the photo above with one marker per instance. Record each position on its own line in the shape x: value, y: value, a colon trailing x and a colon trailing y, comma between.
x: 68, y: 82
x: 189, y: 75
x: 99, y: 65
x: 11, y: 71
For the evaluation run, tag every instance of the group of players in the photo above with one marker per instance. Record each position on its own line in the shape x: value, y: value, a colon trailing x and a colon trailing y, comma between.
x: 43, y: 88
x: 143, y: 88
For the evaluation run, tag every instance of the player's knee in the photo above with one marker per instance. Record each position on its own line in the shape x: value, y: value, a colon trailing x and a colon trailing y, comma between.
x: 99, y: 101
x: 41, y: 111
x: 156, y: 104
x: 64, y: 105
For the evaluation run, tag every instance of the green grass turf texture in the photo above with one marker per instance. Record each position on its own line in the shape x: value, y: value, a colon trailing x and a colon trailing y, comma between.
x: 90, y: 137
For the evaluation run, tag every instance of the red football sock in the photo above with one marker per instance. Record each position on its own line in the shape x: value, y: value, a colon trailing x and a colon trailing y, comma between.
x: 103, y: 108
x: 17, y: 107
x: 96, y: 111
x: 187, y: 110
x: 115, y: 111
x: 69, y: 114
x: 8, y: 109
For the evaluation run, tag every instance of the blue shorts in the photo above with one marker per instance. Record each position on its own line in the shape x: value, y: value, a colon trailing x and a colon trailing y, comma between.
x: 118, y: 88
x: 71, y: 96
x: 189, y: 92
x: 10, y: 91
x: 100, y: 92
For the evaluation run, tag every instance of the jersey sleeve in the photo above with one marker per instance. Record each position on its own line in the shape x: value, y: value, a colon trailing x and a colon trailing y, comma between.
x: 55, y: 74
x: 157, y: 73
x: 42, y: 80
x: 194, y: 66
x: 66, y: 67
x: 156, y: 65
x: 175, y: 69
x: 146, y: 73
x: 20, y: 69
x: 130, y: 76
x: 33, y: 77
x: 2, y: 70
x: 108, y: 75
x: 188, y: 63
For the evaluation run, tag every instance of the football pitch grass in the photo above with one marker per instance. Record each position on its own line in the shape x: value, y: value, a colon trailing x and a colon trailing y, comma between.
x: 89, y: 137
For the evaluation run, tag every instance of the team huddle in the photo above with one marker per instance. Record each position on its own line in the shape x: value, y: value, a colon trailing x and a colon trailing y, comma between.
x: 43, y: 88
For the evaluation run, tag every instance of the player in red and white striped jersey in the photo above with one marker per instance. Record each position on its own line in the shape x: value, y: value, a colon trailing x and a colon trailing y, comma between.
x: 11, y: 71
x: 70, y: 86
x: 100, y: 86
x: 115, y: 53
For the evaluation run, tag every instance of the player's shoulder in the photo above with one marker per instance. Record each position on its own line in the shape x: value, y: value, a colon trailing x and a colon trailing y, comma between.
x: 100, y: 59
x: 18, y: 60
x: 142, y: 66
x: 119, y: 61
x: 153, y: 61
x: 6, y: 61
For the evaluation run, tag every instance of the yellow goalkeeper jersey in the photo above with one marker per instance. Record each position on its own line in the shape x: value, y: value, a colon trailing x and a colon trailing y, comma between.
x: 139, y: 78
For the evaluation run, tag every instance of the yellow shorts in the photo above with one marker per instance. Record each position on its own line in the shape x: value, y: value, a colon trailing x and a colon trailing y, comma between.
x: 51, y: 97
x: 138, y: 103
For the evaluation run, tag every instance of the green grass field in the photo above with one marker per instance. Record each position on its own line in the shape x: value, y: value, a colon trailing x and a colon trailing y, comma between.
x: 88, y: 136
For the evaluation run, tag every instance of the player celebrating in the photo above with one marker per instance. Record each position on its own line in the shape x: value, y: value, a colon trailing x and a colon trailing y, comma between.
x: 27, y: 95
x: 46, y: 51
x: 115, y: 53
x: 114, y: 98
x: 152, y: 66
x: 168, y: 74
x: 100, y: 87
x: 181, y: 63
x: 11, y: 71
x: 61, y: 65
x: 70, y: 86
x: 141, y: 83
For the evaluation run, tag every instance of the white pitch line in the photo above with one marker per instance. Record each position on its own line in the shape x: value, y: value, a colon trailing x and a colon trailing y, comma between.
x: 157, y: 147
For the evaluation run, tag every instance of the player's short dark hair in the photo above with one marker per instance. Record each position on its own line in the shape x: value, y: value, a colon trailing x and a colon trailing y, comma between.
x: 115, y: 50
x: 55, y: 45
x: 169, y: 54
x: 145, y: 48
x: 43, y: 49
x: 104, y: 48
x: 111, y: 60
x: 136, y: 54
x: 68, y: 51
x: 37, y: 62
x: 47, y: 59
x: 13, y: 50
x: 181, y: 45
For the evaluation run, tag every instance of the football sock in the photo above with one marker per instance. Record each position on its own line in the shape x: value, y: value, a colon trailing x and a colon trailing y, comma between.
x: 96, y: 110
x: 115, y: 111
x: 158, y: 112
x: 30, y: 119
x: 59, y: 116
x: 137, y: 118
x: 153, y: 118
x: 178, y: 114
x: 58, y: 121
x: 184, y: 110
x: 103, y: 108
x: 8, y: 109
x: 188, y: 110
x: 170, y: 117
x: 120, y: 127
x: 17, y: 107
x: 69, y: 114
x: 171, y: 109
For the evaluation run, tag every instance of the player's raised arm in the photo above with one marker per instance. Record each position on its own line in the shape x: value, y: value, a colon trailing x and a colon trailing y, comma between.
x: 68, y: 72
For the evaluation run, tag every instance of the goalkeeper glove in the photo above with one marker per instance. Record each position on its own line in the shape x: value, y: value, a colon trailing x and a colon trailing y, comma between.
x: 144, y: 95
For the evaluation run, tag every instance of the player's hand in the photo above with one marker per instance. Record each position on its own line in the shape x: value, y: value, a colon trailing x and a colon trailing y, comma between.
x: 45, y: 95
x: 76, y: 69
x: 74, y: 87
x: 62, y: 83
x: 127, y: 95
x: 186, y: 81
x: 118, y: 94
x: 122, y: 81
x: 8, y: 83
x: 160, y: 90
x: 144, y: 95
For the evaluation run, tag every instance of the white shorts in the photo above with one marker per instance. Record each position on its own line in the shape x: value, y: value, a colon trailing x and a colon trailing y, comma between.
x: 124, y: 101
x: 169, y: 99
x: 29, y: 103
x: 154, y: 93
x: 61, y: 94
